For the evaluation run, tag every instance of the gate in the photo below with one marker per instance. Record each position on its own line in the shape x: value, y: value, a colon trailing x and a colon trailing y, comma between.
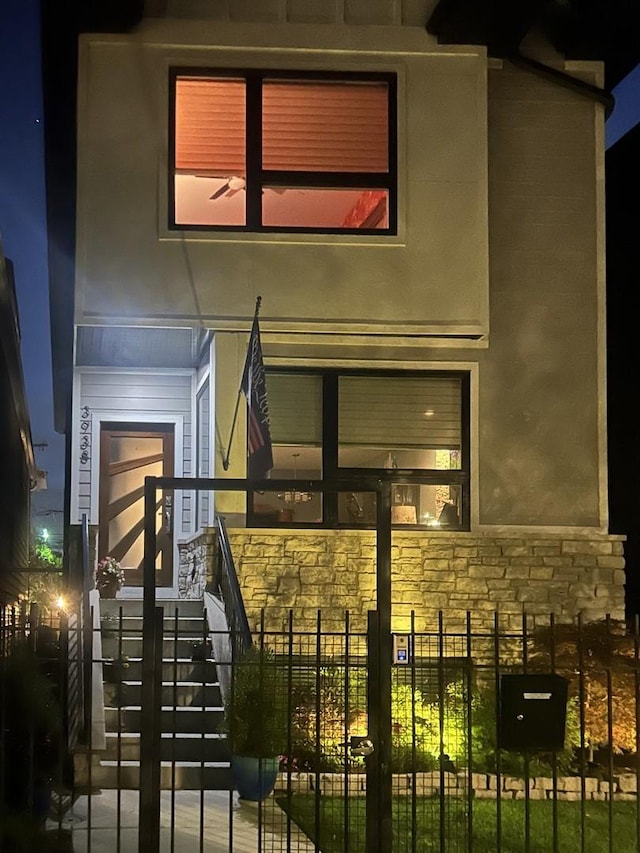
x: 374, y: 652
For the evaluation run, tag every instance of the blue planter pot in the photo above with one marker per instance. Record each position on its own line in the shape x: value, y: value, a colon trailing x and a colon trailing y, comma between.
x: 254, y: 778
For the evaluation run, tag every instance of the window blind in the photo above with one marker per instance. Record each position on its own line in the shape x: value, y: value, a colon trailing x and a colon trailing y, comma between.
x: 400, y: 412
x: 325, y: 126
x: 211, y: 126
x: 295, y: 408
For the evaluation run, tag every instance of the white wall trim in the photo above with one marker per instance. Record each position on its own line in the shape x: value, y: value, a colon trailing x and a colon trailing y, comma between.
x: 140, y: 371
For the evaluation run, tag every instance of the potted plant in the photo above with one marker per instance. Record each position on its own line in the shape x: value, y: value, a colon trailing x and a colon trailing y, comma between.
x: 109, y: 577
x: 256, y: 722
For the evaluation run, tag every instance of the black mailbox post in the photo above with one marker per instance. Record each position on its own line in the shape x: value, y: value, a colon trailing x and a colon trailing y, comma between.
x: 533, y: 712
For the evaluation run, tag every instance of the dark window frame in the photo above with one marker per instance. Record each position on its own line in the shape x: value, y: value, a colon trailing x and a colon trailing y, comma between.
x: 258, y: 178
x: 460, y: 477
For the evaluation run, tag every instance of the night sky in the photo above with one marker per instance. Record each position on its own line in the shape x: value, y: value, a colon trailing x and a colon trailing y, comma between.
x: 24, y: 239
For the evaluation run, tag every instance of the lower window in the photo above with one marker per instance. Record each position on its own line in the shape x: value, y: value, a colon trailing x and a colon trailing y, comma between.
x: 407, y: 428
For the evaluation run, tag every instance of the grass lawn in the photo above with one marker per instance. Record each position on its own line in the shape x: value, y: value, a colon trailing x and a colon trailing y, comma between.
x: 302, y: 809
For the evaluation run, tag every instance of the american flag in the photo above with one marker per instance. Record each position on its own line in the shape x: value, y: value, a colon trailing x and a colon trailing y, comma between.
x: 255, y: 390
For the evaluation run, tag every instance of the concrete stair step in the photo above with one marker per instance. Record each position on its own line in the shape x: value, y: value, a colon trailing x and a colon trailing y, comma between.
x: 173, y: 747
x: 183, y: 669
x: 186, y: 776
x: 193, y: 751
x: 133, y: 606
x: 131, y: 646
x: 132, y: 624
x: 178, y: 693
x: 186, y: 719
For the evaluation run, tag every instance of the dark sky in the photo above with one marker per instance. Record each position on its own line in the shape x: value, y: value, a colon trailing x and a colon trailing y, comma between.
x: 23, y: 231
x: 23, y: 234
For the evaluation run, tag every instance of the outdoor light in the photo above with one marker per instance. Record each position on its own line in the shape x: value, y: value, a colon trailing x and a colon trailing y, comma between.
x: 60, y: 602
x: 45, y: 534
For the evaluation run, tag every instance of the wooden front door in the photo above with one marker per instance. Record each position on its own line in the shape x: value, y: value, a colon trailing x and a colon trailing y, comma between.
x: 128, y: 454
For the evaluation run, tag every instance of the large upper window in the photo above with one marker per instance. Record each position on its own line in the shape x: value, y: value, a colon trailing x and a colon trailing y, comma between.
x: 408, y: 428
x: 278, y: 151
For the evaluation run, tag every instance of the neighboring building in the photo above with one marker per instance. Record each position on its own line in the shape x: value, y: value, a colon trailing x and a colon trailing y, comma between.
x: 425, y: 226
x: 19, y: 474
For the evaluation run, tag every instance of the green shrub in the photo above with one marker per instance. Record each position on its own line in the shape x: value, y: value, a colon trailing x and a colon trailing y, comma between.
x: 256, y: 720
x: 484, y: 742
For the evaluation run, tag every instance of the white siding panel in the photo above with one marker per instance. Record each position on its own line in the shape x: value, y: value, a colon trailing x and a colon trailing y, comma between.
x: 136, y: 397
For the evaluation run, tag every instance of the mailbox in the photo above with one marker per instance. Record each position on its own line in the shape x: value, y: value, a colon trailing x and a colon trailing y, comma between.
x: 533, y: 712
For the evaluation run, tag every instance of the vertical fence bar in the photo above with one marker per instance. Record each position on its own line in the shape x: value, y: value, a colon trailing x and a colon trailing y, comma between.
x: 89, y: 717
x: 202, y: 655
x: 385, y: 644
x: 318, y: 666
x: 373, y: 716
x: 229, y: 701
x: 149, y: 830
x: 86, y: 622
x: 441, y: 697
x: 636, y: 685
x: 496, y: 677
x: 120, y: 699
x: 414, y: 773
x: 289, y: 720
x: 345, y: 733
x: 174, y: 730
x: 261, y: 677
x: 469, y: 710
x: 527, y: 793
x: 554, y: 755
x: 610, y: 730
x: 583, y: 744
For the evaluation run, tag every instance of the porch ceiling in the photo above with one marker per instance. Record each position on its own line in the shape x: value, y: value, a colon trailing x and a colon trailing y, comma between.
x: 120, y: 346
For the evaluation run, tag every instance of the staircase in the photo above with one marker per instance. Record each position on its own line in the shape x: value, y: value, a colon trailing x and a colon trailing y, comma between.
x: 194, y: 752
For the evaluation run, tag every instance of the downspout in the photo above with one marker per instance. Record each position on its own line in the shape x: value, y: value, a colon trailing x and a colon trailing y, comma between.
x: 602, y: 96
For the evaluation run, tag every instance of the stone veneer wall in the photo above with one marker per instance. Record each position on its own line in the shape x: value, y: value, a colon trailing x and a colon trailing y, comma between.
x: 197, y: 556
x: 334, y: 571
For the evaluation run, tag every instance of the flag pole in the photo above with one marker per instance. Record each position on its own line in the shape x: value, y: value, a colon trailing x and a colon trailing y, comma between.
x: 225, y: 460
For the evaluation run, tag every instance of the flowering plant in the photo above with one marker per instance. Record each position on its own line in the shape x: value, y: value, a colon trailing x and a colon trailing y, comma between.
x: 107, y: 571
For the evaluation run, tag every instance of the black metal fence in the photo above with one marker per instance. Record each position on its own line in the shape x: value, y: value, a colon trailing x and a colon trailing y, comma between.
x: 501, y: 740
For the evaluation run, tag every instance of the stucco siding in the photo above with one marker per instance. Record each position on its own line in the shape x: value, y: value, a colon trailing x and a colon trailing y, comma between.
x: 540, y: 433
x: 426, y: 279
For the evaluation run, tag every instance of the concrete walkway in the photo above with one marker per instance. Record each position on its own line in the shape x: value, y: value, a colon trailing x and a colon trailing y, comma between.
x: 101, y: 824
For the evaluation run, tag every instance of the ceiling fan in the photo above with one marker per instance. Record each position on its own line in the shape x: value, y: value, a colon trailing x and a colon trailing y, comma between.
x: 229, y: 188
x: 233, y: 185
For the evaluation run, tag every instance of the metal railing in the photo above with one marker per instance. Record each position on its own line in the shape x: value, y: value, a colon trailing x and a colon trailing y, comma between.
x: 226, y: 582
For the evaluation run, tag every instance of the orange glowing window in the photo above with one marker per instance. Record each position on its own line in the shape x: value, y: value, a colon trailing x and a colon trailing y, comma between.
x: 262, y: 151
